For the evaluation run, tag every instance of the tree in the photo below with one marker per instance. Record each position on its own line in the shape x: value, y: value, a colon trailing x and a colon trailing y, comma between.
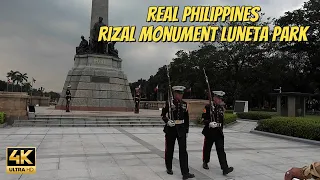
x: 304, y: 56
x: 230, y: 64
x: 21, y: 78
x: 13, y: 76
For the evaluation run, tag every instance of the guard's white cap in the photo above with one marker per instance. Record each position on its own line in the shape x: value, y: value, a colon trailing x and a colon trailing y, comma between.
x: 179, y: 88
x: 69, y: 86
x: 219, y: 93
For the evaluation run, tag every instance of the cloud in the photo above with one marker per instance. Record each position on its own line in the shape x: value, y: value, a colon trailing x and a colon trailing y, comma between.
x: 39, y: 37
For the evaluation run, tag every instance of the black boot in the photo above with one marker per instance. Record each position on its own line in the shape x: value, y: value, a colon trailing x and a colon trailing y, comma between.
x: 205, y: 165
x: 227, y: 171
x: 187, y: 176
x: 169, y: 171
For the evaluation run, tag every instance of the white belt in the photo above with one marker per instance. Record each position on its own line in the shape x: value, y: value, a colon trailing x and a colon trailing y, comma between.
x: 178, y: 121
x: 218, y: 124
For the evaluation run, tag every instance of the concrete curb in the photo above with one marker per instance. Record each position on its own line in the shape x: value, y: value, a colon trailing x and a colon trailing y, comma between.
x: 296, y: 139
x: 250, y: 120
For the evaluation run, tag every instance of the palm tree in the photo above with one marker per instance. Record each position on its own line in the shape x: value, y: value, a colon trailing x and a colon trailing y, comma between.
x: 13, y: 76
x: 21, y: 78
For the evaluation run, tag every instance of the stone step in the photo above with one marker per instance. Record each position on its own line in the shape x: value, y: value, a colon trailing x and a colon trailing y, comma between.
x: 87, y: 125
x: 86, y: 122
x: 98, y: 119
x: 55, y: 121
x: 90, y: 121
x: 91, y: 117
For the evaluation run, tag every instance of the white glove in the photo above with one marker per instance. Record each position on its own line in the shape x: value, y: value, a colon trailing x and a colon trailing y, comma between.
x: 213, y: 125
x: 171, y: 123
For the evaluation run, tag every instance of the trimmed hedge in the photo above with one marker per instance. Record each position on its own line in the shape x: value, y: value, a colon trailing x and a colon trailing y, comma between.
x: 254, y: 115
x: 302, y: 127
x: 2, y: 117
x: 228, y: 118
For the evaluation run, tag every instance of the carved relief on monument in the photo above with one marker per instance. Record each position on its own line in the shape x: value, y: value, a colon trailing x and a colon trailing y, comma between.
x: 99, y: 61
x: 100, y: 79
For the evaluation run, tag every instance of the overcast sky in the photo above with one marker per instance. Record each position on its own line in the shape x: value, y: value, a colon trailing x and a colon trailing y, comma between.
x: 38, y: 37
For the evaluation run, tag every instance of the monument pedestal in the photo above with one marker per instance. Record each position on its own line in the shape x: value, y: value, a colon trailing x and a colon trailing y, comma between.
x: 97, y: 84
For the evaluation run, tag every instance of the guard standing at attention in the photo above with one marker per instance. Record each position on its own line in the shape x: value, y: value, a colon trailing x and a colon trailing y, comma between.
x: 68, y: 98
x: 213, y: 132
x: 176, y: 128
x: 137, y: 100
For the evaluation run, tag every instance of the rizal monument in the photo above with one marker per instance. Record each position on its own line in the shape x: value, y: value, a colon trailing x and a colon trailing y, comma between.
x: 96, y: 81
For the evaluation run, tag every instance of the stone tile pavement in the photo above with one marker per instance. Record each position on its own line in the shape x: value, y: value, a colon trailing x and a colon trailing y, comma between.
x: 137, y: 154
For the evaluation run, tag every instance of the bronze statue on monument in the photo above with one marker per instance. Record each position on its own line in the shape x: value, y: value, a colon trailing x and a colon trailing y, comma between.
x: 83, y: 47
x: 111, y: 50
x: 94, y: 46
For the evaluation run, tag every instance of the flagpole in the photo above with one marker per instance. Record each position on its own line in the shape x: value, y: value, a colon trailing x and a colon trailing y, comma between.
x: 31, y: 92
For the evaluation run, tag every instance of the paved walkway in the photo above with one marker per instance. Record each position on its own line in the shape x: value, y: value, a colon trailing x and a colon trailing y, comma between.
x: 137, y: 154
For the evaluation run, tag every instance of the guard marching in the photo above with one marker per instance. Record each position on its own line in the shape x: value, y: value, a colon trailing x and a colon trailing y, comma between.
x: 177, y: 127
x: 68, y: 98
x: 213, y: 132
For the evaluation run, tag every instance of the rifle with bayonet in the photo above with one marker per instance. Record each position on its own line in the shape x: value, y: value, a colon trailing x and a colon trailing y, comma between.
x: 170, y: 96
x: 212, y: 107
x: 212, y: 119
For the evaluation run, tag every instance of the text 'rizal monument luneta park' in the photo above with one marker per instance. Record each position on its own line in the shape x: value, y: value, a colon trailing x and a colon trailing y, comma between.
x: 96, y: 81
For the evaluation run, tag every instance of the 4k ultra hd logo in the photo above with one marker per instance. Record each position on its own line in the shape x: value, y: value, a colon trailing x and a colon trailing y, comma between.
x: 21, y: 160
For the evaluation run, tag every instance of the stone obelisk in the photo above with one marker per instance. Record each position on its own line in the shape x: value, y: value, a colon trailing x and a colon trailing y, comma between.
x: 100, y: 8
x: 97, y: 81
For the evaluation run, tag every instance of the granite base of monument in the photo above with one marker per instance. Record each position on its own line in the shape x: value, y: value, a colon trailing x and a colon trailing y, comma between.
x: 97, y: 84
